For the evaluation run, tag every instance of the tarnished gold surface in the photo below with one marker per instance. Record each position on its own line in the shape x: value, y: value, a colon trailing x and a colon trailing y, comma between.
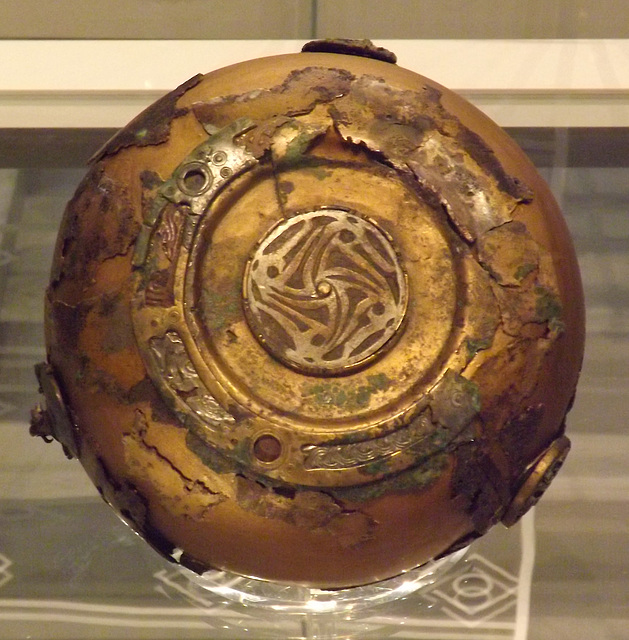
x: 314, y: 318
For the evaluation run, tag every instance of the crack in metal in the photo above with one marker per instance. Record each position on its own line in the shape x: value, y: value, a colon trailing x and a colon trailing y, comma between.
x: 139, y: 435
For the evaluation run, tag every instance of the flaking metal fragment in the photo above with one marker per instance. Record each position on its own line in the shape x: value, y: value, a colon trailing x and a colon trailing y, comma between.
x: 55, y: 421
x: 509, y: 253
x: 152, y: 126
x: 363, y: 48
x: 312, y: 510
x: 144, y: 452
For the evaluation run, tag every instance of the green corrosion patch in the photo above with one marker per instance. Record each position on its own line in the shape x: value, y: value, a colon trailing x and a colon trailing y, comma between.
x: 524, y: 270
x: 221, y: 305
x: 419, y: 477
x: 320, y: 172
x: 294, y: 141
x: 548, y: 309
x: 344, y: 396
x: 473, y: 346
x: 376, y: 468
x: 297, y: 147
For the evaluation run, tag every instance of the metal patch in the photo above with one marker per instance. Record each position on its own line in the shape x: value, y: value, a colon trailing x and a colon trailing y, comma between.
x: 195, y: 183
x: 325, y: 291
x: 180, y: 376
x: 343, y: 456
x: 160, y: 256
x: 455, y: 401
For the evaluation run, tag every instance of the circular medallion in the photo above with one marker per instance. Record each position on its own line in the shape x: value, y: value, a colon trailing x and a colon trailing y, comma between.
x: 325, y: 292
x: 542, y: 474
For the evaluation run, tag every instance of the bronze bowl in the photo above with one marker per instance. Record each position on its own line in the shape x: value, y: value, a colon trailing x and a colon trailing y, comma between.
x: 313, y: 319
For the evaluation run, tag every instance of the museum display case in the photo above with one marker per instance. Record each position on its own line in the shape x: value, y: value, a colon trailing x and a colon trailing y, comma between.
x: 69, y: 568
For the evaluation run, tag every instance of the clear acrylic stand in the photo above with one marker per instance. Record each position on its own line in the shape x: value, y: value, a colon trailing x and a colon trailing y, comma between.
x: 287, y: 598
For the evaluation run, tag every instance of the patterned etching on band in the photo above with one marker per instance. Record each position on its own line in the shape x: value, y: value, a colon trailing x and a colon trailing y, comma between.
x: 344, y: 456
x: 178, y: 372
x: 324, y: 291
x: 159, y: 289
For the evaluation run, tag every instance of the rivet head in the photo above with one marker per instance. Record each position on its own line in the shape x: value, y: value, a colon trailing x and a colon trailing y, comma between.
x: 194, y: 179
x: 267, y: 448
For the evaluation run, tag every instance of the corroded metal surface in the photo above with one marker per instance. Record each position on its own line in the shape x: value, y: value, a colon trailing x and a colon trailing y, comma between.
x: 322, y: 305
x: 364, y: 48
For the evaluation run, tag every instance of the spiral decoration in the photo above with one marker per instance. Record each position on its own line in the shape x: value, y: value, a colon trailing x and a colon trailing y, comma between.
x: 324, y: 291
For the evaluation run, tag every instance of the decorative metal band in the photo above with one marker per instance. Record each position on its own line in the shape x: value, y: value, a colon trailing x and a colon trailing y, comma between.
x: 161, y: 251
x: 197, y: 181
x: 179, y: 375
x: 451, y: 406
x: 343, y: 456
x: 325, y: 291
